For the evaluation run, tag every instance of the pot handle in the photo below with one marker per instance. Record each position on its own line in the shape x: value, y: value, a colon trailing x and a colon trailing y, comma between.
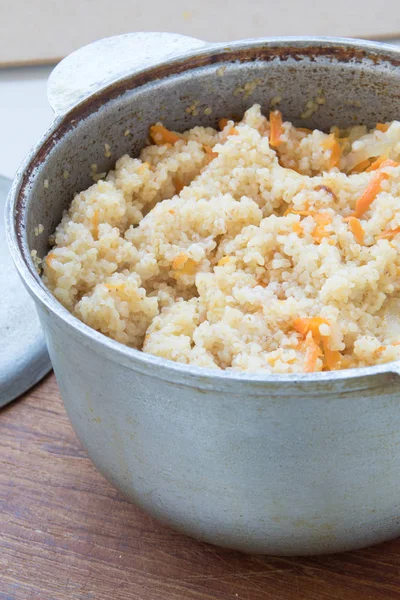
x: 96, y: 65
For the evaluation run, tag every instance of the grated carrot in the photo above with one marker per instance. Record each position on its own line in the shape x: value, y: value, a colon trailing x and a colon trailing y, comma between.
x: 331, y: 143
x: 301, y: 325
x: 160, y: 135
x: 184, y: 264
x: 179, y: 260
x: 210, y: 152
x: 49, y: 258
x: 319, y: 232
x: 373, y: 188
x: 290, y: 209
x: 377, y: 163
x: 382, y: 127
x: 304, y: 326
x: 388, y: 234
x: 310, y: 326
x: 222, y: 123
x: 275, y: 119
x: 364, y: 165
x: 313, y: 351
x: 333, y: 358
x: 356, y: 229
x: 304, y: 130
x: 322, y: 220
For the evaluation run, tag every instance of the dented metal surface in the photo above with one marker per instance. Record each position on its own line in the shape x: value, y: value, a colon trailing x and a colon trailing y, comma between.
x: 263, y: 463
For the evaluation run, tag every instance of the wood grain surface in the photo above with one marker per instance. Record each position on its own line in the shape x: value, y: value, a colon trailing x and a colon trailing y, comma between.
x: 66, y: 534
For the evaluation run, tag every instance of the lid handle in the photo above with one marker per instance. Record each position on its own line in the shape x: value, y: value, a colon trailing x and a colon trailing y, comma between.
x: 96, y: 65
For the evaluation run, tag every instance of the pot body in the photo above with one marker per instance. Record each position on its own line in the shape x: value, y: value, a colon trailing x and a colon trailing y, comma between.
x: 262, y: 468
x: 269, y: 464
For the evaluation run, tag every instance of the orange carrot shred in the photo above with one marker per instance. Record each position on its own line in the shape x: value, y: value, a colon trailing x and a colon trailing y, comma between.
x: 49, y: 258
x: 388, y: 234
x: 333, y: 358
x: 331, y: 143
x: 304, y: 130
x: 319, y: 232
x: 382, y: 127
x: 210, y: 151
x: 322, y: 219
x: 180, y: 260
x: 222, y: 123
x: 184, y: 264
x: 389, y: 163
x: 313, y: 351
x: 356, y: 229
x: 160, y: 135
x: 380, y: 350
x: 377, y: 163
x: 336, y: 153
x: 304, y: 326
x: 364, y: 165
x: 275, y: 119
x: 373, y: 188
x: 310, y: 327
x: 301, y: 325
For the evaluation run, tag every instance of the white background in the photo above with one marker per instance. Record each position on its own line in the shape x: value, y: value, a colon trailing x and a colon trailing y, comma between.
x: 24, y: 113
x: 34, y: 30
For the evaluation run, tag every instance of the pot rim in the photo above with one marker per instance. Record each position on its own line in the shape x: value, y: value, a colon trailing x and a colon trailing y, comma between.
x: 136, y: 359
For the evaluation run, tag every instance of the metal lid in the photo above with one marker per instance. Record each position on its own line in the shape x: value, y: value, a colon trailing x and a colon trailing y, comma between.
x: 23, y: 355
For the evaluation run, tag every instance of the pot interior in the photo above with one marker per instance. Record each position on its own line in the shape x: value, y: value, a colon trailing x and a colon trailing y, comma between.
x: 357, y: 86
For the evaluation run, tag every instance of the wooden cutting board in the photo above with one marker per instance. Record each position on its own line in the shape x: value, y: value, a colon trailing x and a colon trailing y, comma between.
x: 66, y: 534
x: 40, y: 31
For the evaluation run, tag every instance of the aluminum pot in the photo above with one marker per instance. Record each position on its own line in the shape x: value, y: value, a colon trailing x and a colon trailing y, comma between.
x: 279, y: 464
